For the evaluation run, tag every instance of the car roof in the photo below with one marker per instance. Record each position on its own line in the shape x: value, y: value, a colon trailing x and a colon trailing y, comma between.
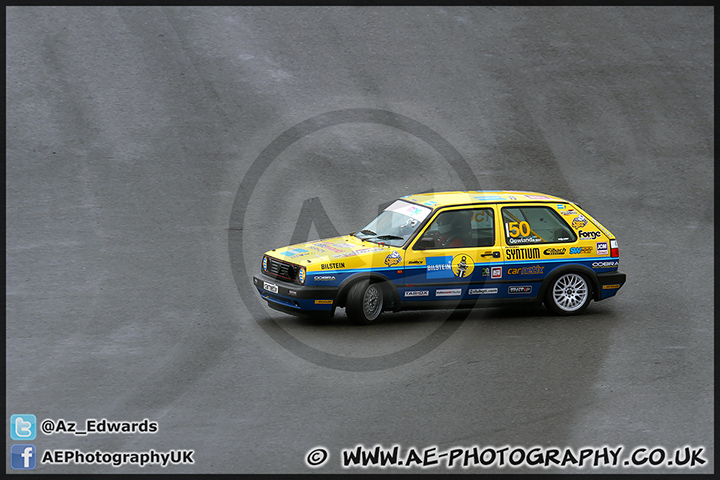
x: 444, y: 199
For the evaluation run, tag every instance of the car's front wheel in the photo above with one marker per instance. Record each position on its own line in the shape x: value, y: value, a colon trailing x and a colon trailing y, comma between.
x: 568, y: 294
x: 365, y: 302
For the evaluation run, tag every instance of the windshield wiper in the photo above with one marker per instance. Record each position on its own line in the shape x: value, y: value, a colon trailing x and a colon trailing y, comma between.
x: 369, y: 233
x: 389, y: 237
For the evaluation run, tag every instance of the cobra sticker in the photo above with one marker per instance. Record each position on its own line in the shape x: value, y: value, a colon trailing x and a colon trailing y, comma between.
x: 393, y: 259
x: 605, y: 264
x: 324, y: 278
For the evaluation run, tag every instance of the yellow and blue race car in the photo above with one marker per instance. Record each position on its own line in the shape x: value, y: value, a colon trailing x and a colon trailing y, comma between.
x: 450, y: 250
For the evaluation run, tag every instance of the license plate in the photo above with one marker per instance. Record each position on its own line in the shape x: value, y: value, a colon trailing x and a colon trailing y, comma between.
x: 270, y: 287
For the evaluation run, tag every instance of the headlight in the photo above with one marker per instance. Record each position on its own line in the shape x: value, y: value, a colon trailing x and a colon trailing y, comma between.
x: 264, y: 264
x: 301, y: 276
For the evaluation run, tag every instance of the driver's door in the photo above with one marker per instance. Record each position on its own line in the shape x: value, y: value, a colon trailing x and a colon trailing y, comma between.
x: 462, y: 261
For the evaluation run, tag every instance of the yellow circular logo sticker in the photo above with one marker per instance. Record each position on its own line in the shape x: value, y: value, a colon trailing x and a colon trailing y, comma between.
x: 463, y: 265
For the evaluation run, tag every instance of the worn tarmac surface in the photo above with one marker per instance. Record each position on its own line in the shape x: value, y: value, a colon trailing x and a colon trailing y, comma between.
x: 153, y: 154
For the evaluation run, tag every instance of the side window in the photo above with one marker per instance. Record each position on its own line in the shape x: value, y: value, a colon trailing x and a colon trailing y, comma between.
x: 461, y: 228
x: 533, y: 225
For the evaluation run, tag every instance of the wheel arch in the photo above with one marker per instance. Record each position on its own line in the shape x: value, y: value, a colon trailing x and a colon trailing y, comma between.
x: 572, y: 268
x: 388, y: 287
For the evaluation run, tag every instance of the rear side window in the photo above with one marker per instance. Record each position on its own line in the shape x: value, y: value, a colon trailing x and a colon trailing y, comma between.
x: 534, y: 225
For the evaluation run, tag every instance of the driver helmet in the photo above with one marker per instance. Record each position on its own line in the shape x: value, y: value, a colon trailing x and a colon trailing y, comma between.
x: 447, y: 221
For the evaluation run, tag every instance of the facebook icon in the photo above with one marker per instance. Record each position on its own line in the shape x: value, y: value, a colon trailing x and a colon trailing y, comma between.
x: 22, y: 456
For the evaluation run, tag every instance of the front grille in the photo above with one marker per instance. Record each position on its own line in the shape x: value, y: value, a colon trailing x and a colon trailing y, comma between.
x: 282, y: 270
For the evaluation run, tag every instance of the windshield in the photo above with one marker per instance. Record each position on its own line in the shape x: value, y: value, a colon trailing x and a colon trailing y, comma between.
x: 395, y: 224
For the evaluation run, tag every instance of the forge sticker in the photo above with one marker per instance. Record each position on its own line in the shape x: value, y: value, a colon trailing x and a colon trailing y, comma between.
x: 588, y: 235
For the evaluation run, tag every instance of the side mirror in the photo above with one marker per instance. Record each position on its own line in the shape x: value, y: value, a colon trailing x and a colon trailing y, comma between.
x: 423, y: 243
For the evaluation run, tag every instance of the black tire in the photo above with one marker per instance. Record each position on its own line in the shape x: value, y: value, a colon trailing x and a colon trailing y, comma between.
x: 568, y: 294
x: 365, y: 302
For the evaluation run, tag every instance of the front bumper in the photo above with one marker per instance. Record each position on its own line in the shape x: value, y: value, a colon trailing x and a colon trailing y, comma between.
x: 296, y: 299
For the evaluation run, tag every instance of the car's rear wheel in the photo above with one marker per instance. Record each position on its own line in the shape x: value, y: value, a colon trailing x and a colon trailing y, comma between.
x: 568, y: 294
x: 365, y: 302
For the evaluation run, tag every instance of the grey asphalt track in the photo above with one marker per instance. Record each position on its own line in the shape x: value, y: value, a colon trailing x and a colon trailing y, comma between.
x: 154, y: 153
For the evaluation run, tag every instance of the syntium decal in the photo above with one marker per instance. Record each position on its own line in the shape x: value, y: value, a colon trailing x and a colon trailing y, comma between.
x: 522, y: 253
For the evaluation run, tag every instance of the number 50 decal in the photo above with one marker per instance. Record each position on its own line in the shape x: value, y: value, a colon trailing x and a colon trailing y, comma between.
x: 517, y: 229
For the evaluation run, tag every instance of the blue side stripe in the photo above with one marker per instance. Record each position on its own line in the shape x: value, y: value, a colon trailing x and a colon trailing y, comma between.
x: 490, y: 264
x: 564, y: 260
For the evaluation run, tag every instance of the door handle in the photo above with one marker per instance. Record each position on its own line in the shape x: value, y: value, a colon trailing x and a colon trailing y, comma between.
x: 491, y: 254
